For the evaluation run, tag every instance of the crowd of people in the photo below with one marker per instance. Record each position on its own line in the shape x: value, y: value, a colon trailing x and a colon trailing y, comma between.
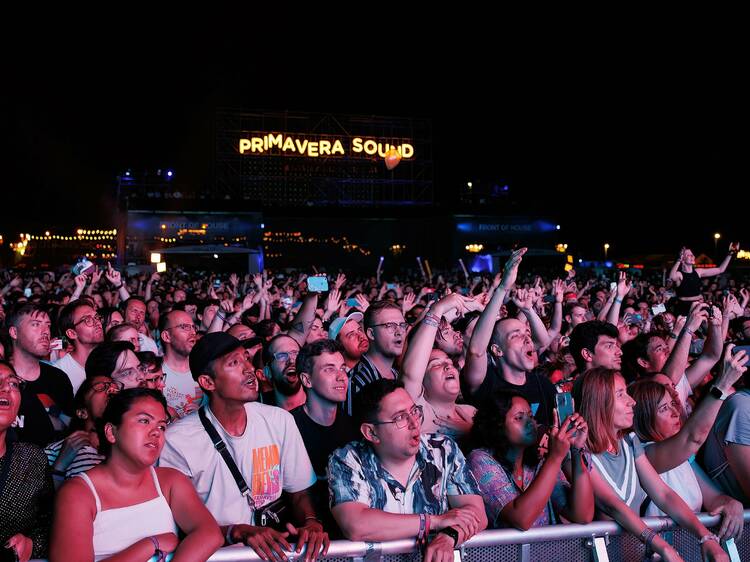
x: 145, y: 416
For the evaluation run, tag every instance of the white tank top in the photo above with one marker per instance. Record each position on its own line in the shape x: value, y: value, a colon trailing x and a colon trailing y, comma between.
x: 118, y: 528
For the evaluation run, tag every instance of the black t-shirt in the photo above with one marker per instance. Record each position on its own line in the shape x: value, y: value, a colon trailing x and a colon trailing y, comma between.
x: 320, y: 441
x: 48, y: 396
x: 537, y: 390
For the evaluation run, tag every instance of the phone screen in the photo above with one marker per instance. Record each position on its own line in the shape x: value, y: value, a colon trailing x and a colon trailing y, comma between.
x: 564, y: 407
x: 317, y: 284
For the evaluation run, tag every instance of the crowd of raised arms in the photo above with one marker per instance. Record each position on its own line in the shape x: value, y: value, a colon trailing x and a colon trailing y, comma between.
x: 151, y: 416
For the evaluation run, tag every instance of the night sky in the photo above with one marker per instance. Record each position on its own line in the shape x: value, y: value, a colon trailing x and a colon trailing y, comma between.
x: 644, y: 149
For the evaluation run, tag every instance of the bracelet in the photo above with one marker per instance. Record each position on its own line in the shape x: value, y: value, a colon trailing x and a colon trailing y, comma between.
x: 313, y: 518
x: 228, y: 535
x: 689, y: 331
x: 709, y: 537
x: 422, y: 527
x: 618, y: 300
x: 157, y: 551
x: 647, y: 536
x: 672, y: 335
x: 429, y: 320
x: 119, y: 286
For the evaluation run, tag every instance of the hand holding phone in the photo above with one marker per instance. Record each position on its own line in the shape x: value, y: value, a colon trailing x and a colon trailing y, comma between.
x: 564, y: 402
x: 317, y: 284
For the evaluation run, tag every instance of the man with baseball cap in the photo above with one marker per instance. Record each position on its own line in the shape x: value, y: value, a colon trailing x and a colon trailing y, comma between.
x: 264, y: 443
x: 348, y: 331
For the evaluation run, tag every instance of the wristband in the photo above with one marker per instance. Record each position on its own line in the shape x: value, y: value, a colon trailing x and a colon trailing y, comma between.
x: 228, y: 535
x: 422, y: 527
x: 709, y: 537
x: 157, y: 551
x: 647, y: 536
x: 430, y: 320
x: 618, y: 300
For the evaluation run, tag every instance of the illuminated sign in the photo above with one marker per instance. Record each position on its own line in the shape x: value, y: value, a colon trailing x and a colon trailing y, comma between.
x: 284, y: 144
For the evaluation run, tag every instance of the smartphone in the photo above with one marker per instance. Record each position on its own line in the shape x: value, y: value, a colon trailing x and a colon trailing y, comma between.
x: 433, y: 296
x: 612, y: 286
x: 217, y: 283
x: 286, y: 301
x: 56, y: 343
x: 27, y: 292
x: 317, y: 284
x: 549, y: 298
x: 565, y: 408
x: 745, y: 348
x: 161, y: 267
x: 352, y: 302
x: 658, y: 309
x: 390, y: 286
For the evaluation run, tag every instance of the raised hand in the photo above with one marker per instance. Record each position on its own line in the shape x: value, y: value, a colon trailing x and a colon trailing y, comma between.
x: 362, y: 303
x: 408, y: 303
x: 524, y: 299
x: 113, y: 276
x: 623, y: 286
x: 510, y: 271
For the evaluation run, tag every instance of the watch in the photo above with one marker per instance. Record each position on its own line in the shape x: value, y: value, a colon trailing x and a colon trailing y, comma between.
x: 452, y: 533
x: 717, y: 393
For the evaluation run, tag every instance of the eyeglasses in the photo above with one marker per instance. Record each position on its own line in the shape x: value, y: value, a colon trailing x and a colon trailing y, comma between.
x: 13, y: 382
x: 284, y: 356
x: 391, y: 327
x: 91, y: 320
x: 184, y: 327
x: 155, y: 380
x: 402, y: 420
x: 138, y: 372
x: 105, y: 386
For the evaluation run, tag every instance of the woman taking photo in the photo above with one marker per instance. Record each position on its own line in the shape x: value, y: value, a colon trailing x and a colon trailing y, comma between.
x: 622, y: 475
x: 125, y: 510
x: 518, y: 490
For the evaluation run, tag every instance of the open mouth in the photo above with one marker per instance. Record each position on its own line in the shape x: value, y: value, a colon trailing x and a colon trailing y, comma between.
x: 152, y: 445
x: 4, y: 403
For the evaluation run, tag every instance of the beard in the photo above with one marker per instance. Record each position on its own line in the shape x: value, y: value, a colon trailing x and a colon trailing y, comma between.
x: 285, y: 387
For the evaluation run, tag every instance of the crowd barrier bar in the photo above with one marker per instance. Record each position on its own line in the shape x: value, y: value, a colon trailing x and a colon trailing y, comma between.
x: 596, y: 535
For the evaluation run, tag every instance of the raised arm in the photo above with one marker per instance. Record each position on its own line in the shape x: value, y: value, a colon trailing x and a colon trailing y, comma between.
x: 672, y: 452
x: 475, y: 367
x: 417, y: 354
x: 623, y: 288
x: 711, y: 271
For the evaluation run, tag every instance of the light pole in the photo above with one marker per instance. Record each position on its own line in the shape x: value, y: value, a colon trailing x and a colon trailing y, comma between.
x: 606, y: 248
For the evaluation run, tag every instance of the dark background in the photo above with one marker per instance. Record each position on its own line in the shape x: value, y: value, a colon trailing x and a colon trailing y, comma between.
x: 637, y: 138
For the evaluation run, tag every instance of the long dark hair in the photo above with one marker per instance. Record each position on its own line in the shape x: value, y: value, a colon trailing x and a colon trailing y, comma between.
x: 488, y: 431
x: 118, y: 406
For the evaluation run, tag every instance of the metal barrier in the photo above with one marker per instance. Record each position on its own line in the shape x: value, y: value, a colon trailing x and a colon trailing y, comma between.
x: 600, y: 541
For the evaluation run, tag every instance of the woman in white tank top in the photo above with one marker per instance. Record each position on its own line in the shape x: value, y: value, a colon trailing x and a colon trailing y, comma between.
x: 125, y: 510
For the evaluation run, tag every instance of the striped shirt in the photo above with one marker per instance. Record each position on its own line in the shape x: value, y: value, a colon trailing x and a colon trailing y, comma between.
x: 362, y: 374
x: 86, y: 458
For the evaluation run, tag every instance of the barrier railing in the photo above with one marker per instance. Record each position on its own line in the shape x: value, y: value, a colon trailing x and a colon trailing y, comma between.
x: 600, y: 541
